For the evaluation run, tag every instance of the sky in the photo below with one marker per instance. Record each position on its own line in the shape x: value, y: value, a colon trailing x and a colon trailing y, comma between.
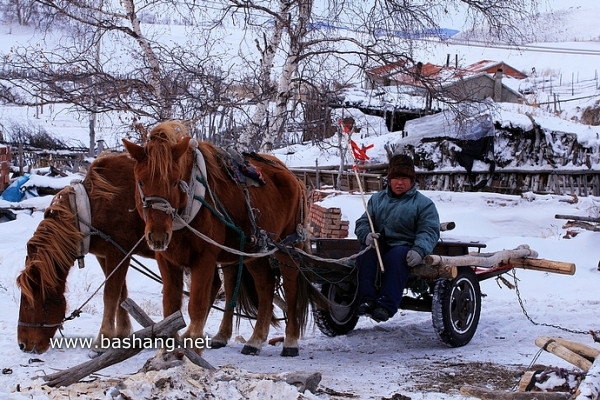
x: 375, y: 360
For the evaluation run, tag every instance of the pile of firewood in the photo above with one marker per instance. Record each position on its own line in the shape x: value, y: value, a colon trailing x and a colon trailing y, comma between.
x: 575, y: 221
x: 532, y: 384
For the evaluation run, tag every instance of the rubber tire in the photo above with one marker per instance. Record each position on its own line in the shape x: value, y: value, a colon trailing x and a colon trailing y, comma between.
x: 340, y: 316
x: 457, y: 307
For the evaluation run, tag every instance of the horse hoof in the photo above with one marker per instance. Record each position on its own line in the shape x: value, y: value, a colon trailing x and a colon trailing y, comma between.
x: 217, y: 345
x: 94, y: 353
x: 290, y: 352
x: 250, y: 350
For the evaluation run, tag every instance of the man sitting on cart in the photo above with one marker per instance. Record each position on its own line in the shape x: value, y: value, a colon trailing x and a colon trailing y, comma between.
x: 405, y: 228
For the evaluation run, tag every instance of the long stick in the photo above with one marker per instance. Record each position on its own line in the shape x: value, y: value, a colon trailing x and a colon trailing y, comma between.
x: 362, y: 196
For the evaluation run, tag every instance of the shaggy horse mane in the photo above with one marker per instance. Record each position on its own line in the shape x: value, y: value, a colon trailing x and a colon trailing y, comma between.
x: 162, y: 137
x: 52, y: 249
x: 99, y: 187
x: 166, y: 135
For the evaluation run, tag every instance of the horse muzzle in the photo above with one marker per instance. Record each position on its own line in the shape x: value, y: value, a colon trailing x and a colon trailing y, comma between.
x: 158, y: 242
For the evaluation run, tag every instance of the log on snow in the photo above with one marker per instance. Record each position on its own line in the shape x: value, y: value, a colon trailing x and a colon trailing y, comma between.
x: 112, y: 356
x: 583, y: 350
x: 589, y: 388
x: 489, y: 394
x: 537, y: 264
x: 143, y: 319
x: 577, y: 218
x: 447, y: 226
x: 486, y: 260
x: 435, y: 272
x: 552, y: 346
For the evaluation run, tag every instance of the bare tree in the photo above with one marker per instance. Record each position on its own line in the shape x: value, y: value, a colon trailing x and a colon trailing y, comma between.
x: 111, y: 65
x: 25, y: 12
x: 298, y: 46
x: 353, y: 36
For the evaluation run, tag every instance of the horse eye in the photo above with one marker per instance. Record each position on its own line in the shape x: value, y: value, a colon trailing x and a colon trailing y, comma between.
x: 141, y: 183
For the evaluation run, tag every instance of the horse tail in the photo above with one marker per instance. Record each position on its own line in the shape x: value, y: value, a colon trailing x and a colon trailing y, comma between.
x: 247, y: 299
x: 308, y: 297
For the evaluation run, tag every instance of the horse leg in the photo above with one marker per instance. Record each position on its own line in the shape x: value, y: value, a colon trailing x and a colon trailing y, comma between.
x: 113, y: 291
x: 124, y: 327
x: 201, y: 299
x: 264, y: 280
x: 290, y: 275
x: 226, y: 327
x: 172, y: 277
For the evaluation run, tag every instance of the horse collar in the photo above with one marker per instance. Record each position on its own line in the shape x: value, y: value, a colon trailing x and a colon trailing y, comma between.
x: 196, y: 189
x: 80, y: 205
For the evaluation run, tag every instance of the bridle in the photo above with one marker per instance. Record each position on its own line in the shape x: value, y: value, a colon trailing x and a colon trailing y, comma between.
x: 159, y: 203
x: 45, y: 324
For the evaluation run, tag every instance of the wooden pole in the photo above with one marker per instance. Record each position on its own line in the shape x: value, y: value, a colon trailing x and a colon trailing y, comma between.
x: 537, y: 264
x: 112, y: 356
x: 481, y: 259
x: 583, y: 350
x: 488, y: 394
x: 375, y: 241
x: 143, y: 319
x: 561, y: 351
x: 577, y: 218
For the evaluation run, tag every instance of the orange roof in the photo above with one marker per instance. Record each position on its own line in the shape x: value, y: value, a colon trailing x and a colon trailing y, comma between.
x: 432, y: 71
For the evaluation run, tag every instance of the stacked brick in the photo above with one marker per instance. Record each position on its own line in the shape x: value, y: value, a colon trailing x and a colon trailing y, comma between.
x: 327, y: 222
x: 5, y: 160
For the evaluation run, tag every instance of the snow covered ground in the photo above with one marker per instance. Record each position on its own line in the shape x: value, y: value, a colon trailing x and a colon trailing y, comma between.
x: 402, y: 356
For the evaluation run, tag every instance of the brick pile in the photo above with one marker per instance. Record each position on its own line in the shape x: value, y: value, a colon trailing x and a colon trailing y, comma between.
x: 326, y: 222
x: 5, y: 160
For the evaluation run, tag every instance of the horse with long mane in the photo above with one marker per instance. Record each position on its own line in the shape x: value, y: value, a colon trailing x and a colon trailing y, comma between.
x: 235, y: 224
x: 57, y: 243
x: 113, y: 226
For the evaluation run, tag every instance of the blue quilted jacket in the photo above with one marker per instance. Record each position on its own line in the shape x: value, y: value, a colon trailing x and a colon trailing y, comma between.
x: 410, y: 219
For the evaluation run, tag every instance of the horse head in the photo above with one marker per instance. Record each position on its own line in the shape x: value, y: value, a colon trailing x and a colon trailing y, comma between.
x: 158, y: 174
x: 51, y: 252
x: 41, y: 311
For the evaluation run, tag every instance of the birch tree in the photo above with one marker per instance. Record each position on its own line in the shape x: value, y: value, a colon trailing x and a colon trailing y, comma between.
x: 354, y: 36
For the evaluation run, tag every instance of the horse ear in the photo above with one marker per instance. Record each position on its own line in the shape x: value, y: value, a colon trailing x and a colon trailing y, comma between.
x: 134, y: 150
x: 180, y: 148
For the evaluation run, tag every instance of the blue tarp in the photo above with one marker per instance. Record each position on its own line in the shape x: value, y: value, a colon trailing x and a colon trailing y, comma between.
x: 14, y: 192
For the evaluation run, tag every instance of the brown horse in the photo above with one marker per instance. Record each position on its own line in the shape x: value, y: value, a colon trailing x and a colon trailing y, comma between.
x: 230, y: 213
x: 56, y: 243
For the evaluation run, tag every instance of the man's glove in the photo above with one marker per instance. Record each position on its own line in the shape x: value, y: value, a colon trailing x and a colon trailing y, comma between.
x: 413, y: 258
x: 370, y: 239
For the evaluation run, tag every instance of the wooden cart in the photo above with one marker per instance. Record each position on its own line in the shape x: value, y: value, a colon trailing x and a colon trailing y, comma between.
x: 447, y: 284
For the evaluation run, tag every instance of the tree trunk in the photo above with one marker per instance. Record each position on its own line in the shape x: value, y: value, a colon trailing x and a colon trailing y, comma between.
x: 267, y: 51
x: 284, y: 89
x: 487, y: 260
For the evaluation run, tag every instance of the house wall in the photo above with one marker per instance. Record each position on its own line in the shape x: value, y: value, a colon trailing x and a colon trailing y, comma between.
x: 479, y: 88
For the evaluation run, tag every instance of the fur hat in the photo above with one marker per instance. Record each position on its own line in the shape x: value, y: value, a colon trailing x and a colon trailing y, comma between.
x: 401, y: 165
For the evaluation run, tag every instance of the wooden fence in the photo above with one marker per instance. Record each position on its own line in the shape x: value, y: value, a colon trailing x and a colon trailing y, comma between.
x: 581, y: 183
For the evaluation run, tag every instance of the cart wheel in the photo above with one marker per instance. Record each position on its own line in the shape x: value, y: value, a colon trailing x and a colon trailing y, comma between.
x: 339, y: 317
x: 456, y: 307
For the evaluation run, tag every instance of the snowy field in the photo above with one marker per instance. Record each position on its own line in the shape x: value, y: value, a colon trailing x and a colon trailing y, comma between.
x: 402, y: 356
